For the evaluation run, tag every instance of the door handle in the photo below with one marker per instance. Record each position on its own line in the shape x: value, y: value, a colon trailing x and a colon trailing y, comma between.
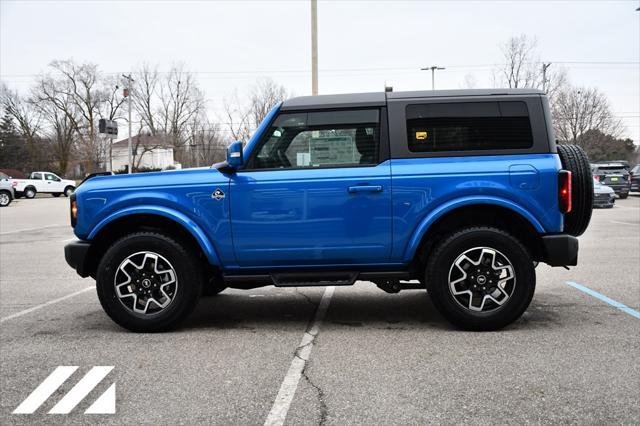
x: 364, y: 188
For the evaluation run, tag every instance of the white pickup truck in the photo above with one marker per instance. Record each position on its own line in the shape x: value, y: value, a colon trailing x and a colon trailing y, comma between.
x: 46, y: 182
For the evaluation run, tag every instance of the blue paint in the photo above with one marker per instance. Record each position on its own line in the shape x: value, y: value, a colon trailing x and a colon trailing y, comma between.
x: 604, y: 298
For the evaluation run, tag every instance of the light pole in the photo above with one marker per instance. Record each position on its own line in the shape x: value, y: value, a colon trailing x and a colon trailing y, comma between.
x: 128, y: 95
x: 433, y: 74
x: 314, y: 47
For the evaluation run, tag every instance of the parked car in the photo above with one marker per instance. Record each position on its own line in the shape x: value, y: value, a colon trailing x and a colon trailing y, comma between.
x: 634, y: 179
x: 45, y: 182
x: 614, y: 175
x: 6, y: 190
x: 603, y: 195
x: 463, y: 190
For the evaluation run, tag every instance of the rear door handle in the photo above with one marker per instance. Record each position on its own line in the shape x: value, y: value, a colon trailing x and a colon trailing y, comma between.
x: 365, y: 188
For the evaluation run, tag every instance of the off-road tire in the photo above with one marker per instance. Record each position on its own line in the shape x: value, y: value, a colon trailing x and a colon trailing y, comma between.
x: 188, y: 274
x: 574, y: 159
x: 444, y: 255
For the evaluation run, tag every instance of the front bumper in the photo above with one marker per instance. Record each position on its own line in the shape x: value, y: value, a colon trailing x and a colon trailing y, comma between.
x: 75, y: 253
x: 560, y: 250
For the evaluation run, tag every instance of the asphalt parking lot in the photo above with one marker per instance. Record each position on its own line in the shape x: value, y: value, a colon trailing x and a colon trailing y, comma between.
x: 377, y: 358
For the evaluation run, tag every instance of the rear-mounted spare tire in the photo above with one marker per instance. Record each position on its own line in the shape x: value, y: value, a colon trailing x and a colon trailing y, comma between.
x: 575, y: 160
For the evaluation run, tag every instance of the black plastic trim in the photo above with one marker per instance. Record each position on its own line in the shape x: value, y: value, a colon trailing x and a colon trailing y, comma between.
x: 75, y: 253
x: 560, y: 250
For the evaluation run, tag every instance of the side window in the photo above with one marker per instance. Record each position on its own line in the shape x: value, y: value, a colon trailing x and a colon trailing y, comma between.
x: 36, y: 176
x: 51, y: 177
x: 321, y: 139
x: 468, y: 126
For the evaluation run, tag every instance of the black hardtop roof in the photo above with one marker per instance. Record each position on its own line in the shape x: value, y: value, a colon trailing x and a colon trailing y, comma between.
x: 380, y: 98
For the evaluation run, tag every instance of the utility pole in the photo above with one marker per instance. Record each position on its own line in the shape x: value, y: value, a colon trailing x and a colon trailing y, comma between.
x: 544, y: 76
x: 128, y: 95
x: 433, y: 74
x: 314, y: 47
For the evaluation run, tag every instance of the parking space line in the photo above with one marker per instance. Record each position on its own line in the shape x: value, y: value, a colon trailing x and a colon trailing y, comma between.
x: 624, y: 223
x: 31, y: 229
x: 289, y: 385
x: 50, y: 302
x: 621, y: 306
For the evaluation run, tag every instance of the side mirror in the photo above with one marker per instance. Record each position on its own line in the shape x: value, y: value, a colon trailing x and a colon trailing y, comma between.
x: 234, y: 155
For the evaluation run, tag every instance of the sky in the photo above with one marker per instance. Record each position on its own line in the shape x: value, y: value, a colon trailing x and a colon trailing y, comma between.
x: 362, y: 45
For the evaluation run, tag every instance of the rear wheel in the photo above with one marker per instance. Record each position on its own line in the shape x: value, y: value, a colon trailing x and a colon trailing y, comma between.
x: 574, y: 159
x: 5, y: 198
x: 481, y: 278
x: 30, y: 192
x: 68, y: 191
x: 148, y: 282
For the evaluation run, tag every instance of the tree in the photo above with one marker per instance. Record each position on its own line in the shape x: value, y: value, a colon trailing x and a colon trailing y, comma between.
x: 522, y: 68
x: 13, y: 150
x: 244, y: 119
x: 29, y: 123
x: 181, y: 101
x: 602, y: 147
x: 77, y: 93
x: 580, y: 109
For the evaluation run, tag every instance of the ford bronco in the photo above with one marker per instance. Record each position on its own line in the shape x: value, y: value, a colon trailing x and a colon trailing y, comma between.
x: 463, y: 191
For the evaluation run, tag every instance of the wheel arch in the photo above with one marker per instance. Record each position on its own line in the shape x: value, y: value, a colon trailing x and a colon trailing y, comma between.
x: 474, y: 211
x: 128, y: 221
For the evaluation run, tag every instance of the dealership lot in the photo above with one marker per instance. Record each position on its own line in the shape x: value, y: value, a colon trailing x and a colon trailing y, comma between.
x: 378, y: 358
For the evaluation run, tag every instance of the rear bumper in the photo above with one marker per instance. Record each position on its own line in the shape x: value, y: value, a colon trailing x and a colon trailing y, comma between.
x: 75, y: 253
x: 560, y: 250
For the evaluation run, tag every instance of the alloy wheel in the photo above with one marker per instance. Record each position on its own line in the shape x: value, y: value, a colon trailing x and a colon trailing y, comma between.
x: 482, y: 279
x: 146, y: 283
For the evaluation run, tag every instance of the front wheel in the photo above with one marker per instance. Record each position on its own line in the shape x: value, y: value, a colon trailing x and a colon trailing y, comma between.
x: 148, y: 282
x: 623, y: 196
x: 481, y: 278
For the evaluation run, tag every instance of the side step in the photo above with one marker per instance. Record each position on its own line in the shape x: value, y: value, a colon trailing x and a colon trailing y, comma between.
x: 307, y: 279
x: 384, y: 279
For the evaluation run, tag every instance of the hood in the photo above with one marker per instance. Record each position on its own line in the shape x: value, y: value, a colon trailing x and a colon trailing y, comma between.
x: 153, y: 179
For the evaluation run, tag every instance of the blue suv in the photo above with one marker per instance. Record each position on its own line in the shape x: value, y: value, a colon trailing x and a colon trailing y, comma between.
x: 463, y: 191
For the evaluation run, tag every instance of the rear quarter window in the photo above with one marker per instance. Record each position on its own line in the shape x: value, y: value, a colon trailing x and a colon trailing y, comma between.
x: 468, y: 126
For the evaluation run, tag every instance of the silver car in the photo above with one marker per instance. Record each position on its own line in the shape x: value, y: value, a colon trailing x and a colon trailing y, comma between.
x: 603, y: 195
x: 6, y: 190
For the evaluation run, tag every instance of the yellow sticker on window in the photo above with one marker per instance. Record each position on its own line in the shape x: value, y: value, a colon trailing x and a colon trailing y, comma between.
x: 421, y: 135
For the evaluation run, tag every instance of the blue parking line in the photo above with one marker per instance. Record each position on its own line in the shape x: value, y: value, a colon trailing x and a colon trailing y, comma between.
x: 622, y: 307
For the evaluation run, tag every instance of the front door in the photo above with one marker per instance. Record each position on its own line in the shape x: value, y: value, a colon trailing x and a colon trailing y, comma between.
x: 52, y: 183
x: 314, y: 193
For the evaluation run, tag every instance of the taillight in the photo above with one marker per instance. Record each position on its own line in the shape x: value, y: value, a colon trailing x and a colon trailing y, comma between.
x: 73, y: 210
x: 14, y: 183
x: 564, y: 191
x: 596, y: 177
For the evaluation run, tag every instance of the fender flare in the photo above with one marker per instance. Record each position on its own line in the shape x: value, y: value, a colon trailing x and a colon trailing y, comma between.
x: 180, y: 218
x: 443, y: 209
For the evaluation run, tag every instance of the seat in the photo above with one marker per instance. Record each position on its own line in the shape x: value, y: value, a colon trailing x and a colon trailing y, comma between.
x: 367, y: 146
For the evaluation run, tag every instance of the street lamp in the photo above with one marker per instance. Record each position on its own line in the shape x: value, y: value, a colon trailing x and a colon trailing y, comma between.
x: 433, y: 74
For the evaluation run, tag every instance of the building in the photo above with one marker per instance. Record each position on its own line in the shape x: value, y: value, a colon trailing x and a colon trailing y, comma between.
x: 148, y: 152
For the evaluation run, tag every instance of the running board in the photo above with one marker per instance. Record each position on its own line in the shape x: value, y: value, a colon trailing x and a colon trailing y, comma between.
x: 312, y: 278
x: 309, y: 279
